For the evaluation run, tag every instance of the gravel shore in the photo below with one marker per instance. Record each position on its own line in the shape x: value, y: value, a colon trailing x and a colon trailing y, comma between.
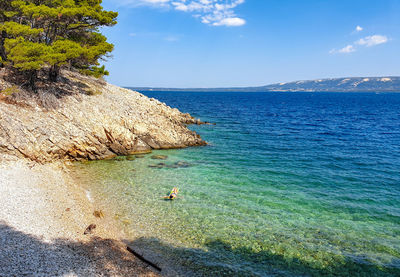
x: 43, y: 213
x: 43, y: 216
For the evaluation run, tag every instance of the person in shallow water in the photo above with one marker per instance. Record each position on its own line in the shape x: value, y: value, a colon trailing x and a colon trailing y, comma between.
x: 173, y: 194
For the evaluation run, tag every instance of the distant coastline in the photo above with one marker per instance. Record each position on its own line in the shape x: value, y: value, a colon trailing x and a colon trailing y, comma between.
x: 349, y: 84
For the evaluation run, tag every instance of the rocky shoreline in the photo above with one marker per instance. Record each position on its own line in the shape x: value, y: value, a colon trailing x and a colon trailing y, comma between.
x: 87, y: 119
x: 44, y: 213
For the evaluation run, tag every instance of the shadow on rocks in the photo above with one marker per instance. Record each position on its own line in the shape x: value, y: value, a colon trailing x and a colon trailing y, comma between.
x: 25, y: 255
x: 221, y: 259
x: 22, y: 254
x: 48, y: 95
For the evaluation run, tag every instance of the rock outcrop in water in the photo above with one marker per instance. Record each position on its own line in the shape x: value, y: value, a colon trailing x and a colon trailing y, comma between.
x: 87, y: 119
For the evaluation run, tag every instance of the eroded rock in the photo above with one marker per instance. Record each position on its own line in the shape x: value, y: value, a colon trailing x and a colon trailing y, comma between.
x: 115, y: 122
x: 159, y: 157
x: 131, y: 158
x: 89, y: 230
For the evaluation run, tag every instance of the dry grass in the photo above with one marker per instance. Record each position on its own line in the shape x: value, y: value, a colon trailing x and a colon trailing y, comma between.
x: 48, y: 95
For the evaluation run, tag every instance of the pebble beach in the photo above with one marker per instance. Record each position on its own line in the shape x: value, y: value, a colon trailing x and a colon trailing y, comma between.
x: 43, y: 217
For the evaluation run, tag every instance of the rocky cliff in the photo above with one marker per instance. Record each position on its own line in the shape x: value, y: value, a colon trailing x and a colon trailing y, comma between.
x: 82, y: 118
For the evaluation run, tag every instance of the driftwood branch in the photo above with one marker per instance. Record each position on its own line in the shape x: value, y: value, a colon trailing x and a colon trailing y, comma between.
x: 143, y: 259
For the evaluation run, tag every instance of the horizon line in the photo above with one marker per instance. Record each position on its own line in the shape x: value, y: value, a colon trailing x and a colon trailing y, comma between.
x: 258, y: 86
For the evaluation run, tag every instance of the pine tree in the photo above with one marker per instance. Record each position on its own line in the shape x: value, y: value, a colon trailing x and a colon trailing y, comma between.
x: 49, y: 34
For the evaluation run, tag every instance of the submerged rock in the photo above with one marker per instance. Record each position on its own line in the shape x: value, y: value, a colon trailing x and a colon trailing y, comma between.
x: 119, y: 158
x: 174, y: 165
x: 171, y: 166
x: 159, y: 157
x: 131, y: 158
x: 183, y: 164
x: 159, y: 165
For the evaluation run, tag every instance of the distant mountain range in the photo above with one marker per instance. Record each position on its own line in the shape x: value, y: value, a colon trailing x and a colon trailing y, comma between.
x: 353, y: 84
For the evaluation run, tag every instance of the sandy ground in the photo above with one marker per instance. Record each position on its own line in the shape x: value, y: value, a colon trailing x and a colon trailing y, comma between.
x: 43, y: 216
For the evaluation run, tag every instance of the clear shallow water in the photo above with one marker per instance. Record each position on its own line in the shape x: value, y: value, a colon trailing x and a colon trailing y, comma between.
x: 291, y: 184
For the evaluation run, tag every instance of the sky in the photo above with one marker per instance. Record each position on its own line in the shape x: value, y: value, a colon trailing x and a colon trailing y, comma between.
x: 230, y: 43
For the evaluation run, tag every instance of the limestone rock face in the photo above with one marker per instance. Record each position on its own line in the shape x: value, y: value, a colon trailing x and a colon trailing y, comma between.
x: 77, y: 124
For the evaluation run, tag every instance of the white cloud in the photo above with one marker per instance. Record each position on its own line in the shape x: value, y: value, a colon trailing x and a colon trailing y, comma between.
x: 366, y: 42
x: 155, y: 1
x: 348, y: 49
x: 231, y: 21
x: 345, y: 50
x: 211, y: 12
x: 372, y: 40
x: 359, y: 28
x: 135, y: 3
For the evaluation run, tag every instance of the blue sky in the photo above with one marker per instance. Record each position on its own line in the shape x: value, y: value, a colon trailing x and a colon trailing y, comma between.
x: 224, y: 43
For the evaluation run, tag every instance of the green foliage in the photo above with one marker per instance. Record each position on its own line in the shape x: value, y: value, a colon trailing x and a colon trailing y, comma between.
x: 14, y: 29
x: 40, y: 34
x: 94, y: 71
x: 26, y: 55
x: 9, y: 91
x: 63, y: 51
x: 92, y: 92
x: 5, y: 6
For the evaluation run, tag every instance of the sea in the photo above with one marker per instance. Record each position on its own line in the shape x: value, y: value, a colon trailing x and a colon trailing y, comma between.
x: 290, y: 184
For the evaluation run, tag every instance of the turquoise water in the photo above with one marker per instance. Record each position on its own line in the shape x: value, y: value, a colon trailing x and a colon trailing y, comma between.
x: 290, y: 184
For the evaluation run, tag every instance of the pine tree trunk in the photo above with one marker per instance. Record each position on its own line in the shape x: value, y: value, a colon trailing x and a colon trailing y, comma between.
x: 54, y: 72
x: 32, y: 80
x: 3, y: 55
x: 2, y: 52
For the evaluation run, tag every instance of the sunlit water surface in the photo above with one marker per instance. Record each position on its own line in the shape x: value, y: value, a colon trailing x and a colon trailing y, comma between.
x: 290, y: 184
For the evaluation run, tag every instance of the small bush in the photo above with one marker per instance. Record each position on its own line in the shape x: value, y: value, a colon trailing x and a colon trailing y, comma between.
x: 9, y: 91
x: 93, y: 91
